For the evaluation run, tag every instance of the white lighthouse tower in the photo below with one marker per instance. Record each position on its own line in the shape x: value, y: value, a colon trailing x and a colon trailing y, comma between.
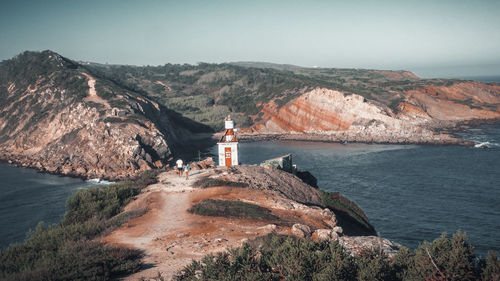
x: 228, y: 145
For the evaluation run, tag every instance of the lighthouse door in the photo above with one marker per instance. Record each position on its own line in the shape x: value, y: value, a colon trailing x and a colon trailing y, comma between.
x: 227, y: 155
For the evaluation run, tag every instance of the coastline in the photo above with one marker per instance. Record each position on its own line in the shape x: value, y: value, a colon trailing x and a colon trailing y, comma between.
x: 443, y: 139
x: 333, y: 139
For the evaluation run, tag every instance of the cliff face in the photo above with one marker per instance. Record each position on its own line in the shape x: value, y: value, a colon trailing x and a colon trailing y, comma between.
x: 337, y: 116
x: 317, y: 103
x: 57, y: 116
x: 457, y: 102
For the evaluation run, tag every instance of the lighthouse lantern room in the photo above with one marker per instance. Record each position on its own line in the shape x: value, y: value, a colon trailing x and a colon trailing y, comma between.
x: 228, y: 145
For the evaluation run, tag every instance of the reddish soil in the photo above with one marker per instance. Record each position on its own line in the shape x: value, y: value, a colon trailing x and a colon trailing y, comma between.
x: 171, y: 237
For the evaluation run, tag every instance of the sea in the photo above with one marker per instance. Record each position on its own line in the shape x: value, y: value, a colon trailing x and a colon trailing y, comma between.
x: 28, y: 197
x: 410, y: 193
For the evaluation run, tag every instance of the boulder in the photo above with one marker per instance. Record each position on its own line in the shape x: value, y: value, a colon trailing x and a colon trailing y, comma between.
x: 325, y: 234
x: 338, y: 229
x: 301, y: 230
x: 356, y: 245
x: 268, y: 228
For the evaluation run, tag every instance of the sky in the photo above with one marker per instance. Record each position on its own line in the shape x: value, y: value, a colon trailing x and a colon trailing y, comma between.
x: 432, y: 38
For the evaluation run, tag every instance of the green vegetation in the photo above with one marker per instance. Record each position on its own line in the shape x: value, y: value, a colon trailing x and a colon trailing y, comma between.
x: 208, y: 92
x: 211, y: 182
x: 205, y: 93
x: 349, y: 215
x: 67, y: 251
x: 32, y: 68
x: 276, y: 257
x: 231, y: 209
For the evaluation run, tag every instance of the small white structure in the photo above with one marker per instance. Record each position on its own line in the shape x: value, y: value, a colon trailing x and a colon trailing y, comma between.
x: 228, y: 145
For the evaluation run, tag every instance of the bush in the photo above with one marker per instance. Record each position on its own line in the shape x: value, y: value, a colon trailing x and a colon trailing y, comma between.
x: 58, y: 252
x: 100, y: 202
x: 491, y: 267
x: 104, y: 202
x: 277, y: 257
x: 446, y: 259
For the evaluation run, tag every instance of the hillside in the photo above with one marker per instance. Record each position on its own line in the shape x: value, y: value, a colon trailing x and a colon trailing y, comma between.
x: 60, y: 117
x: 333, y: 104
x: 112, y: 121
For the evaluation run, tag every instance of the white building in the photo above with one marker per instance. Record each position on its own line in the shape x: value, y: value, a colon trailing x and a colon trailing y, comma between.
x: 228, y: 145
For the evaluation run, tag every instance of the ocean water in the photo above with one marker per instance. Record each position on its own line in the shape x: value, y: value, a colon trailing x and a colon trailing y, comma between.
x: 28, y: 197
x: 410, y: 193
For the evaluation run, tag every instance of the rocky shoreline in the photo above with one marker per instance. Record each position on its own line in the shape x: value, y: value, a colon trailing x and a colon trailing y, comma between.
x: 47, y: 166
x: 334, y: 139
x: 446, y: 136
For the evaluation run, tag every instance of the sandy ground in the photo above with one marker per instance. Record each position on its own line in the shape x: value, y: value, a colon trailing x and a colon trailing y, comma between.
x: 171, y: 237
x: 92, y: 95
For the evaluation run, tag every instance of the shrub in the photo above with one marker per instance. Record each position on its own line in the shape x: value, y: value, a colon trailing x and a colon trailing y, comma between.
x: 278, y: 257
x: 100, y: 202
x: 275, y: 258
x: 58, y: 252
x: 374, y: 265
x: 491, y: 267
x: 447, y: 259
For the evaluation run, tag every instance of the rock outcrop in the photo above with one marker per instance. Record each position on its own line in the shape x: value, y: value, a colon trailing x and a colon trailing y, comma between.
x: 171, y: 236
x: 58, y: 117
x: 356, y: 245
x: 326, y: 114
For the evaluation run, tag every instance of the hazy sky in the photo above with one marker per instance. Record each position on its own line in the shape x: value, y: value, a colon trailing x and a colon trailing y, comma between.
x: 429, y: 37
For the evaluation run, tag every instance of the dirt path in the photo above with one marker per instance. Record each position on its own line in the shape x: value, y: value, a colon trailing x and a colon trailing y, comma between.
x: 92, y: 94
x: 171, y: 237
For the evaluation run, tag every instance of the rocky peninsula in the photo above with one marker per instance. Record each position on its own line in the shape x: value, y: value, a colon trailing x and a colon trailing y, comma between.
x: 223, y: 207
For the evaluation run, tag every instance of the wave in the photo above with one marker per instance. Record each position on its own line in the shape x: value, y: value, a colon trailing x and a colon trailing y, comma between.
x: 486, y: 144
x: 99, y: 181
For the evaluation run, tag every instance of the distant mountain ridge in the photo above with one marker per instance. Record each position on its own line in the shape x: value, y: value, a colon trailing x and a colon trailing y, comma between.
x: 58, y: 116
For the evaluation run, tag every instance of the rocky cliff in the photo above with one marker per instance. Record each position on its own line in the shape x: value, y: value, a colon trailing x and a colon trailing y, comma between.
x: 57, y: 116
x: 317, y: 103
x: 333, y: 115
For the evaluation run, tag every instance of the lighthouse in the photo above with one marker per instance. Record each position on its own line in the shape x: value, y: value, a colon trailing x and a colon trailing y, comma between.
x: 228, y: 145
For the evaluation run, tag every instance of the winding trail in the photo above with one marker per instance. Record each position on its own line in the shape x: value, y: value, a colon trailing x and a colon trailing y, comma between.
x: 171, y: 237
x: 92, y: 94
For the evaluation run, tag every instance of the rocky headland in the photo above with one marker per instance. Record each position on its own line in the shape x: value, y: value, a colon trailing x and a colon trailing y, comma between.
x: 58, y: 117
x: 218, y: 208
x: 329, y: 115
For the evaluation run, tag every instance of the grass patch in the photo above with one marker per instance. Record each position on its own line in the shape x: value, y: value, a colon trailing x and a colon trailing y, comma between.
x: 231, y: 209
x: 211, y: 182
